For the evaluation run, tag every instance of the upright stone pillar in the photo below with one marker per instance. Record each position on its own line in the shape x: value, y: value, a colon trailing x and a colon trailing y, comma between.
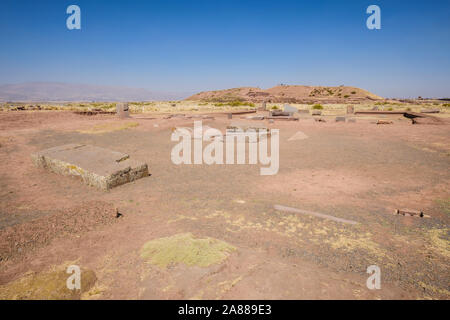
x: 122, y: 110
x: 350, y: 110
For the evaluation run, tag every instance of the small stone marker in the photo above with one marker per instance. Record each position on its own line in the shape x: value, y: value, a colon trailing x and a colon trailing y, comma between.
x: 98, y: 167
x: 340, y: 119
x: 122, y: 110
x: 316, y: 112
x: 255, y: 117
x: 350, y: 110
x: 263, y: 106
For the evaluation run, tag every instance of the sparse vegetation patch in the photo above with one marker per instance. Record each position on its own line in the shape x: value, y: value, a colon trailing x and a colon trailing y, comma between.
x: 184, y: 248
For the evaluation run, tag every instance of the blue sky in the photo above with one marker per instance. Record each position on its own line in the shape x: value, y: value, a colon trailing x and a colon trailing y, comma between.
x: 169, y: 45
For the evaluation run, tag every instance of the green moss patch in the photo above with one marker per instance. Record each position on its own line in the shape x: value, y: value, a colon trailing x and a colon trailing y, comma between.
x: 46, y: 286
x: 184, y: 248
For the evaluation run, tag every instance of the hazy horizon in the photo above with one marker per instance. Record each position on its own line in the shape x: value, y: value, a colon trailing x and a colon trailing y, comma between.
x: 68, y: 92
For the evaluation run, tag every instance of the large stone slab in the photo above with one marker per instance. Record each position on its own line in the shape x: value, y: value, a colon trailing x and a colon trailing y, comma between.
x: 98, y: 167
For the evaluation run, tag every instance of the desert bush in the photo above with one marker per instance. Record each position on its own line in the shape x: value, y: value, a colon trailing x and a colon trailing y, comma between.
x: 317, y: 107
x: 240, y: 103
x: 236, y: 103
x: 108, y: 106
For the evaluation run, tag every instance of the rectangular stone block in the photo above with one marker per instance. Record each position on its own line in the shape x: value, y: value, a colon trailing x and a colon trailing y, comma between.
x: 277, y: 113
x: 288, y: 108
x: 98, y: 167
x: 122, y: 110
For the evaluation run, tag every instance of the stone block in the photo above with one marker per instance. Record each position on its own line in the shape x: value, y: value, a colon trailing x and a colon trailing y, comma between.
x: 98, y: 167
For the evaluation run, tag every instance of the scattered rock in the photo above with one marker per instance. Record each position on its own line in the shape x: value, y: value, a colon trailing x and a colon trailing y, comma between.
x: 430, y: 111
x: 255, y: 117
x: 410, y: 212
x: 385, y: 122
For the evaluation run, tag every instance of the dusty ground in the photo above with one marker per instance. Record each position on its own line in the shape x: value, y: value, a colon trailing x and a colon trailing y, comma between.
x: 238, y: 246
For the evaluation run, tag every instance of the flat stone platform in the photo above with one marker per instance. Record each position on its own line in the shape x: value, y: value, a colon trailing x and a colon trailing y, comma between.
x: 98, y: 167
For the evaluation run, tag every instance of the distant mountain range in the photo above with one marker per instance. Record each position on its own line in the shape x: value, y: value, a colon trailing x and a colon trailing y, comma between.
x: 56, y: 91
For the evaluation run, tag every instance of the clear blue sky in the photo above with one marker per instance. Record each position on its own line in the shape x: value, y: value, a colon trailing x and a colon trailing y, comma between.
x: 194, y: 45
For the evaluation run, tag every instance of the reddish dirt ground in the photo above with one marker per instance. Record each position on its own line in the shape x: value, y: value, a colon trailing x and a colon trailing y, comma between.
x: 356, y: 171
